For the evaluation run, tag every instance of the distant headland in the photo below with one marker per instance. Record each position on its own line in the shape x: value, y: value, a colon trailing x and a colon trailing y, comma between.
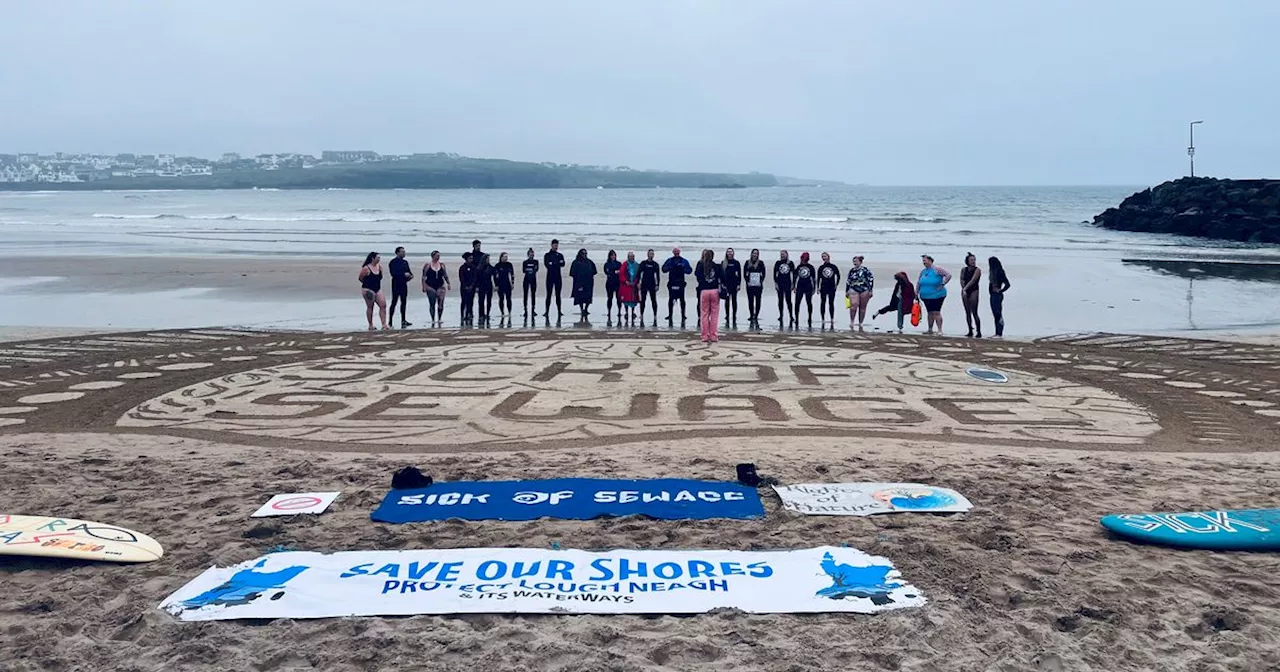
x: 344, y: 170
x: 1239, y: 210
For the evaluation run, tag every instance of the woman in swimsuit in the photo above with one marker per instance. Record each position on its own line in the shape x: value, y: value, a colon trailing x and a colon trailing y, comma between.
x: 858, y: 288
x: 931, y: 287
x: 371, y: 289
x: 435, y: 282
x: 970, y: 275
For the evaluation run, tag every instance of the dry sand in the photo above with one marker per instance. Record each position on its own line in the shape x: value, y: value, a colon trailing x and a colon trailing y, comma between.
x: 1026, y: 581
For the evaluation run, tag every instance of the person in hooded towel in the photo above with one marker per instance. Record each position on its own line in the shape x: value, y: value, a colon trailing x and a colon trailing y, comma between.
x: 583, y: 272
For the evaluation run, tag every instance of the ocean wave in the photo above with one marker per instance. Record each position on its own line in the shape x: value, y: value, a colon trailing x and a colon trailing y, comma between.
x: 253, y: 218
x: 908, y: 219
x: 767, y: 218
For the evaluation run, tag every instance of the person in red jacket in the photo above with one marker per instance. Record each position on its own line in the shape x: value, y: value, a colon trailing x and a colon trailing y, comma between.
x: 904, y: 297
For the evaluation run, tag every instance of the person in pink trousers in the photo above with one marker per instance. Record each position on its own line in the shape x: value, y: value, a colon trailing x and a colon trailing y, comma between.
x: 709, y: 276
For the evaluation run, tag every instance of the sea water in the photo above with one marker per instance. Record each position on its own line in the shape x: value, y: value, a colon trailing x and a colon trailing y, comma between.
x: 1067, y: 275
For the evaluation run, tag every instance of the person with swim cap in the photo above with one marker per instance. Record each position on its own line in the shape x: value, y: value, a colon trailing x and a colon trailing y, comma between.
x: 676, y: 268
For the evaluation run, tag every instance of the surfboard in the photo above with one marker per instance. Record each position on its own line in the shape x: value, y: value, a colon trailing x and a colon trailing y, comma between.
x: 47, y: 537
x: 987, y: 375
x: 1234, y: 530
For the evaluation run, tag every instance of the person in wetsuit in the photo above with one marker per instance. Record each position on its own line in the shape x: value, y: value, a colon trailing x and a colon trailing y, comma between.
x: 468, y: 275
x: 970, y: 283
x: 753, y: 273
x: 401, y: 274
x: 504, y: 280
x: 649, y: 280
x: 997, y: 285
x: 554, y: 262
x: 611, y: 284
x: 676, y: 267
x: 435, y: 283
x: 784, y: 272
x: 530, y: 269
x: 583, y: 272
x: 828, y: 280
x: 806, y: 284
x: 484, y: 287
x: 371, y: 288
x: 732, y: 277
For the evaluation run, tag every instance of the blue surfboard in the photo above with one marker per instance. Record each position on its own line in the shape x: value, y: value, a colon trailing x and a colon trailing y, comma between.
x: 1237, y: 530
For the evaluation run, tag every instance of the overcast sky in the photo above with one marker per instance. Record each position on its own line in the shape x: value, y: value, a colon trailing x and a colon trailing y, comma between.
x: 887, y: 92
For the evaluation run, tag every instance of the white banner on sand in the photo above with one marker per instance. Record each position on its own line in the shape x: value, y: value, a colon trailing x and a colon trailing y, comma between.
x: 296, y: 503
x: 865, y: 499
x: 539, y: 581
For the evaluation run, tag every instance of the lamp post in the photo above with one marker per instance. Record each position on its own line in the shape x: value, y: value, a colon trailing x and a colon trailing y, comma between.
x: 1191, y: 146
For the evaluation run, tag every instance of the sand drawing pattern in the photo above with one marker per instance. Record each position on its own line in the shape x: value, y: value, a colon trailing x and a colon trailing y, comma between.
x: 440, y: 391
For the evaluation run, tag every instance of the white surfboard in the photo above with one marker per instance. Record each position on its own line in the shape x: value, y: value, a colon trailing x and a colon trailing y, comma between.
x: 48, y: 537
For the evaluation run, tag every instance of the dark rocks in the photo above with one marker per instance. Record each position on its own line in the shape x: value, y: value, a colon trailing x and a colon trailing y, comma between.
x: 1239, y: 210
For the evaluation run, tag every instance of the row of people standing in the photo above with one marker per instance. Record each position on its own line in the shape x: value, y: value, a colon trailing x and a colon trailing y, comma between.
x: 633, y: 285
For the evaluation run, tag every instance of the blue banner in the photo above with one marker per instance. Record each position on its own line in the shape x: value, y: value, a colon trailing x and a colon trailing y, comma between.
x: 571, y: 499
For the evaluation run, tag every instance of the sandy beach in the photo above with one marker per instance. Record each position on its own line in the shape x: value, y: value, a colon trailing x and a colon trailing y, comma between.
x: 1025, y: 581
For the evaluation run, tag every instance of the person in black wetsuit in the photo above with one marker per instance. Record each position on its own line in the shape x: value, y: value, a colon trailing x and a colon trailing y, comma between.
x: 371, y: 289
x: 504, y: 279
x: 554, y: 261
x: 611, y: 284
x: 806, y: 283
x: 583, y: 272
x: 649, y: 281
x: 970, y: 284
x: 435, y: 283
x: 468, y: 275
x: 484, y: 287
x: 732, y: 277
x: 530, y: 269
x: 828, y: 281
x: 676, y: 268
x: 784, y: 272
x: 475, y: 251
x: 753, y: 274
x: 401, y: 274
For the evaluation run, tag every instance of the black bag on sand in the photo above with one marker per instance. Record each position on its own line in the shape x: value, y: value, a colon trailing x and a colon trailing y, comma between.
x: 410, y: 477
x: 747, y: 476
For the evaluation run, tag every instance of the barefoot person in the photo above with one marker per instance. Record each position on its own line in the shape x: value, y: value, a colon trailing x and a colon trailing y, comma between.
x: 371, y: 289
x: 904, y: 298
x: 732, y: 269
x: 629, y: 286
x: 998, y: 285
x: 467, y: 278
x: 530, y: 269
x: 401, y: 274
x: 753, y: 273
x: 435, y: 283
x: 676, y: 267
x: 858, y: 287
x: 828, y: 280
x: 931, y: 287
x: 583, y: 273
x: 504, y: 279
x: 612, y: 282
x: 806, y: 284
x: 784, y: 271
x: 554, y: 262
x: 708, y: 275
x: 650, y: 278
x: 970, y: 276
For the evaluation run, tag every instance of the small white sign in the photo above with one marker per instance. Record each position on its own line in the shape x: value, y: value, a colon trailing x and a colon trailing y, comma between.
x: 865, y: 499
x: 296, y: 503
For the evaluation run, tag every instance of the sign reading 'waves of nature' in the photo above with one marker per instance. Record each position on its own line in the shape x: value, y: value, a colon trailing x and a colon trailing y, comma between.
x: 571, y: 498
x: 541, y: 581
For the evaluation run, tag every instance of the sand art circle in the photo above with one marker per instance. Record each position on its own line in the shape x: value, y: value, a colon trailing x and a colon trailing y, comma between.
x: 556, y: 393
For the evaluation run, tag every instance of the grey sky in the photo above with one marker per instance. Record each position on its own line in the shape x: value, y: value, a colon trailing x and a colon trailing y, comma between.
x: 889, y: 92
